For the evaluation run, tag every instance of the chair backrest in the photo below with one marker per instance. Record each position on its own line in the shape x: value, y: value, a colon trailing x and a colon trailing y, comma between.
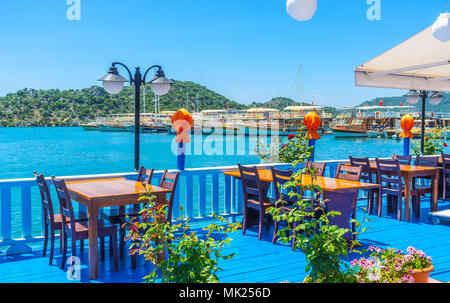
x: 366, y: 171
x: 347, y: 172
x: 145, y: 175
x: 402, y: 160
x: 169, y: 181
x: 65, y: 203
x: 426, y: 161
x: 388, y: 172
x: 251, y: 184
x: 280, y: 177
x: 320, y: 167
x: 46, y: 199
x: 445, y: 165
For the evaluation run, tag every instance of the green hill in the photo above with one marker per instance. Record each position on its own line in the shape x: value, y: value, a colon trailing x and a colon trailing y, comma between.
x: 32, y: 107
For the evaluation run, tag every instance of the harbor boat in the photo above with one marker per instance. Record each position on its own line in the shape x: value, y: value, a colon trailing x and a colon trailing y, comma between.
x: 113, y: 127
x: 265, y: 129
x: 151, y: 127
x: 373, y: 134
x: 90, y: 126
x: 220, y: 129
x: 354, y: 128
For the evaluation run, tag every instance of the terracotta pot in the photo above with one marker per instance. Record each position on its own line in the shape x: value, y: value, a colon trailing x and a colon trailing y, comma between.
x: 421, y: 275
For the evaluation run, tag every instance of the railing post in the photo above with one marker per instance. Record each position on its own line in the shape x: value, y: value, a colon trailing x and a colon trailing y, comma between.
x: 215, y: 193
x: 228, y: 193
x: 202, y: 195
x: 189, y: 195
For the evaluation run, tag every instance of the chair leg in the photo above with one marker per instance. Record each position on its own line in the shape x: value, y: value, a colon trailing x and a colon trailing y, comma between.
x: 133, y: 261
x: 261, y: 222
x: 417, y: 211
x: 81, y: 245
x: 114, y: 248
x: 275, y: 231
x: 399, y: 207
x: 52, y: 245
x: 44, y: 250
x: 111, y: 244
x: 61, y: 241
x: 102, y: 248
x: 122, y: 241
x: 74, y: 247
x: 244, y: 223
x: 64, y: 250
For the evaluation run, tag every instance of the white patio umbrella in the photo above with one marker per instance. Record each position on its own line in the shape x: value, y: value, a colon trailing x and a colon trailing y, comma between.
x: 419, y: 63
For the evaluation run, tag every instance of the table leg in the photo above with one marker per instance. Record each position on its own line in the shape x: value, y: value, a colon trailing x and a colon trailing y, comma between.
x: 161, y: 198
x: 434, y: 194
x: 408, y: 181
x: 379, y: 200
x: 93, y: 241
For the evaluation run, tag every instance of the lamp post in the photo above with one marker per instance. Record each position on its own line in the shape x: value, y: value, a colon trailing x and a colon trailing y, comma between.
x: 413, y: 97
x: 113, y: 84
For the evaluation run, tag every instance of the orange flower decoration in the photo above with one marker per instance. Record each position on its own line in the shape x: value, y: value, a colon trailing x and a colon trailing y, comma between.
x: 312, y: 122
x: 182, y: 122
x: 407, y: 124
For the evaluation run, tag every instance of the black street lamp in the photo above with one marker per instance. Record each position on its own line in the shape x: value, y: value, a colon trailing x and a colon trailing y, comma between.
x: 413, y: 97
x: 113, y: 84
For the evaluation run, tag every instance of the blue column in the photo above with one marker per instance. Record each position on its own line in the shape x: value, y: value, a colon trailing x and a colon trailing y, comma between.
x: 181, y: 156
x: 406, y: 141
x: 312, y: 142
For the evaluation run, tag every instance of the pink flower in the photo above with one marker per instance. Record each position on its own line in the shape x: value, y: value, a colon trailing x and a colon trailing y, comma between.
x: 354, y: 262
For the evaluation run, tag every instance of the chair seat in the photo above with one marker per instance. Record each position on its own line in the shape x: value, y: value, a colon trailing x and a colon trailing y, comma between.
x: 266, y: 202
x: 103, y: 229
x: 58, y: 219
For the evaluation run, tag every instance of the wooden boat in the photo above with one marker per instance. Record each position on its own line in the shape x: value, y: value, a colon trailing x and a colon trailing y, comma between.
x: 113, y: 127
x: 352, y: 129
x: 90, y: 126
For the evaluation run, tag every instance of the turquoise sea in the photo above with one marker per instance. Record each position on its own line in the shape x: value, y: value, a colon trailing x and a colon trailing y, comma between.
x: 63, y: 151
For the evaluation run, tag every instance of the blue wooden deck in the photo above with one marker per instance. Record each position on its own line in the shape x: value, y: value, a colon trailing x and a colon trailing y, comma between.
x: 256, y: 261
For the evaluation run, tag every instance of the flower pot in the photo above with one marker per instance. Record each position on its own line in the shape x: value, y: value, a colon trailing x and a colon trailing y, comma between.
x: 421, y: 275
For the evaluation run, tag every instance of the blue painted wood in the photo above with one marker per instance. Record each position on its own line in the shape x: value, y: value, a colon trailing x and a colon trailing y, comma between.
x: 240, y: 198
x: 228, y: 194
x: 189, y: 195
x: 6, y: 212
x: 202, y: 195
x: 215, y: 193
x: 26, y: 211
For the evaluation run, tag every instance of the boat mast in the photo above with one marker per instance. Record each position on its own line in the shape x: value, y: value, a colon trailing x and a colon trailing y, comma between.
x: 300, y: 84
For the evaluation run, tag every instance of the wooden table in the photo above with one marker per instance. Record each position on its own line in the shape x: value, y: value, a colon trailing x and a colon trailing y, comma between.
x: 408, y: 173
x: 98, y: 193
x: 327, y: 184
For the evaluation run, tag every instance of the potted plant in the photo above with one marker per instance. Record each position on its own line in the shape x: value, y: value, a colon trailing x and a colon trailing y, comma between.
x: 393, y: 266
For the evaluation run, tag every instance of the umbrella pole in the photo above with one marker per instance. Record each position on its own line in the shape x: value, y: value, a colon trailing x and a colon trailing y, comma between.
x: 422, y: 137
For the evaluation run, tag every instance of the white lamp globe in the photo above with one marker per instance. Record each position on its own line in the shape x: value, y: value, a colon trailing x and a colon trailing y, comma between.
x: 301, y: 10
x: 435, y: 99
x: 112, y: 87
x: 412, y: 97
x: 441, y: 28
x: 161, y: 85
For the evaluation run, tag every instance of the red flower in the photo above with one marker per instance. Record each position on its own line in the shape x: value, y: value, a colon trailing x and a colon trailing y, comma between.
x: 283, y: 146
x: 291, y: 136
x: 445, y: 144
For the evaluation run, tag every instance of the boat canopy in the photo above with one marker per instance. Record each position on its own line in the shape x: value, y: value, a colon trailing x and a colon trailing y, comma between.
x: 377, y: 107
x: 213, y: 111
x: 167, y: 112
x: 419, y: 63
x: 299, y: 108
x: 261, y: 110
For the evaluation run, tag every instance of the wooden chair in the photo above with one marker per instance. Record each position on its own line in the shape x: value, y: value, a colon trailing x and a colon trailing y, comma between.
x: 366, y: 176
x: 350, y: 173
x: 168, y: 181
x: 253, y: 197
x: 320, y: 167
x: 51, y: 220
x: 79, y: 230
x: 422, y: 188
x: 402, y: 160
x: 283, y: 201
x: 390, y: 178
x: 445, y: 174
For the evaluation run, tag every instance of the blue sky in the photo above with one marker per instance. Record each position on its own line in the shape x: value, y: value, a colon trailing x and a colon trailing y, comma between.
x: 247, y: 50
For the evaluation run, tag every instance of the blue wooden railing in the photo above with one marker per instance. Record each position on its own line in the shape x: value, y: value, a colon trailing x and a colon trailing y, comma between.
x: 201, y: 192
